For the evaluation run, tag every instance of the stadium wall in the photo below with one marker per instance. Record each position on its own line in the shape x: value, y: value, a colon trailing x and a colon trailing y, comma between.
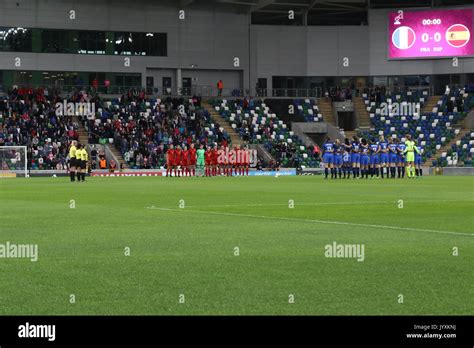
x: 210, y: 37
x: 308, y: 51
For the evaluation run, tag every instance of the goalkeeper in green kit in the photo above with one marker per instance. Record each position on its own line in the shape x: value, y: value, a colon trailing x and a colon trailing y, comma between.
x: 200, y: 160
x: 410, y: 149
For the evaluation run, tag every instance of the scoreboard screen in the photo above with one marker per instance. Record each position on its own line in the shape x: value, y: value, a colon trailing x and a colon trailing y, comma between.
x: 435, y: 33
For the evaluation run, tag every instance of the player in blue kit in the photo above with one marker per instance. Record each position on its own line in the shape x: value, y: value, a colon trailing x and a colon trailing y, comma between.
x: 374, y: 158
x: 392, y: 154
x: 364, y: 158
x: 355, y: 156
x: 418, y: 160
x: 328, y: 157
x: 346, y: 158
x: 401, y: 159
x: 338, y: 151
x: 383, y: 144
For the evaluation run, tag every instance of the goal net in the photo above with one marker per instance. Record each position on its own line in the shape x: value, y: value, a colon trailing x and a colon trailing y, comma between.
x: 13, y: 162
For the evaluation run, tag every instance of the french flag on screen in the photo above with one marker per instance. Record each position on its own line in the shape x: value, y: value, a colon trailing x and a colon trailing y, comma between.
x: 403, y: 38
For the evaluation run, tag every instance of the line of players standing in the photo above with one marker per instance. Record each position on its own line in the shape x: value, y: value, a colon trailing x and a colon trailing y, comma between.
x: 206, y: 162
x: 383, y: 158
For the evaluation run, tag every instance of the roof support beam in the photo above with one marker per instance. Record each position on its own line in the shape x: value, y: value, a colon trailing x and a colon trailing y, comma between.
x: 305, y: 12
x: 262, y: 3
x: 184, y: 3
x: 335, y: 4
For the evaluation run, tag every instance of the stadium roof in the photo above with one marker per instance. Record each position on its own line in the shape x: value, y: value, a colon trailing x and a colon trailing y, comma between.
x: 322, y: 12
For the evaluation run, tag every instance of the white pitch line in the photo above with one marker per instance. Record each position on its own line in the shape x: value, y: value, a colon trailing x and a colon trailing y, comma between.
x: 325, y: 203
x: 312, y: 221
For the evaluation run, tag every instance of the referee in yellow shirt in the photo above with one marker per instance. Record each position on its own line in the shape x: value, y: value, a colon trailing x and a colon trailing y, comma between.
x: 72, y: 160
x: 410, y: 149
x: 84, y: 162
x: 82, y: 158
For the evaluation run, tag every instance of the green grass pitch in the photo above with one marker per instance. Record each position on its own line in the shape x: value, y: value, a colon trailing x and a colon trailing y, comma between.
x: 191, y: 250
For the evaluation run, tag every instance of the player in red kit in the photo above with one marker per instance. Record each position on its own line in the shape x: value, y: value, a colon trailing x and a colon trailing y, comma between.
x: 177, y: 160
x: 222, y: 161
x: 170, y: 160
x: 245, y: 156
x: 232, y: 161
x: 238, y: 161
x: 219, y: 165
x: 214, y: 158
x: 246, y: 161
x: 184, y: 161
x: 208, y: 159
x: 226, y: 166
x: 192, y: 159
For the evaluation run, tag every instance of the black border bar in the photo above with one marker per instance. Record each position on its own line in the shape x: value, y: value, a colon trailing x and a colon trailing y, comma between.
x: 274, y: 330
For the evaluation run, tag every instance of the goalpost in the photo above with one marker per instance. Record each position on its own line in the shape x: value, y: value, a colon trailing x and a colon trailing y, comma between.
x: 13, y: 162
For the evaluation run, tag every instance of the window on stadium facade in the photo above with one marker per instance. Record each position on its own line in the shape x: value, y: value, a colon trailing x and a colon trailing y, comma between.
x: 413, y: 80
x: 140, y: 44
x: 15, y: 39
x: 57, y: 41
x: 417, y: 80
x: 91, y: 42
x: 22, y: 78
x: 72, y: 41
x: 129, y: 80
x: 68, y: 81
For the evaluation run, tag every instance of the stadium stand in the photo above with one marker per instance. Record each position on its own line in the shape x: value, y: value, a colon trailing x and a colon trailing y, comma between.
x: 308, y: 109
x: 28, y: 118
x: 464, y: 148
x: 141, y: 129
x: 326, y: 109
x: 433, y: 129
x: 256, y: 124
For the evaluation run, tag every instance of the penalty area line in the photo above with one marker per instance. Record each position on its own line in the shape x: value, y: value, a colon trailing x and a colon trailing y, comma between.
x: 328, y: 222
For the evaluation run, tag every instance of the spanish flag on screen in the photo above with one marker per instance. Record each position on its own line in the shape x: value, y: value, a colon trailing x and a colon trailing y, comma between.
x: 457, y: 35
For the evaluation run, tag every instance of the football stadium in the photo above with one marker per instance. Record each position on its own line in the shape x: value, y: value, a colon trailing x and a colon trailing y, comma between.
x: 237, y: 158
